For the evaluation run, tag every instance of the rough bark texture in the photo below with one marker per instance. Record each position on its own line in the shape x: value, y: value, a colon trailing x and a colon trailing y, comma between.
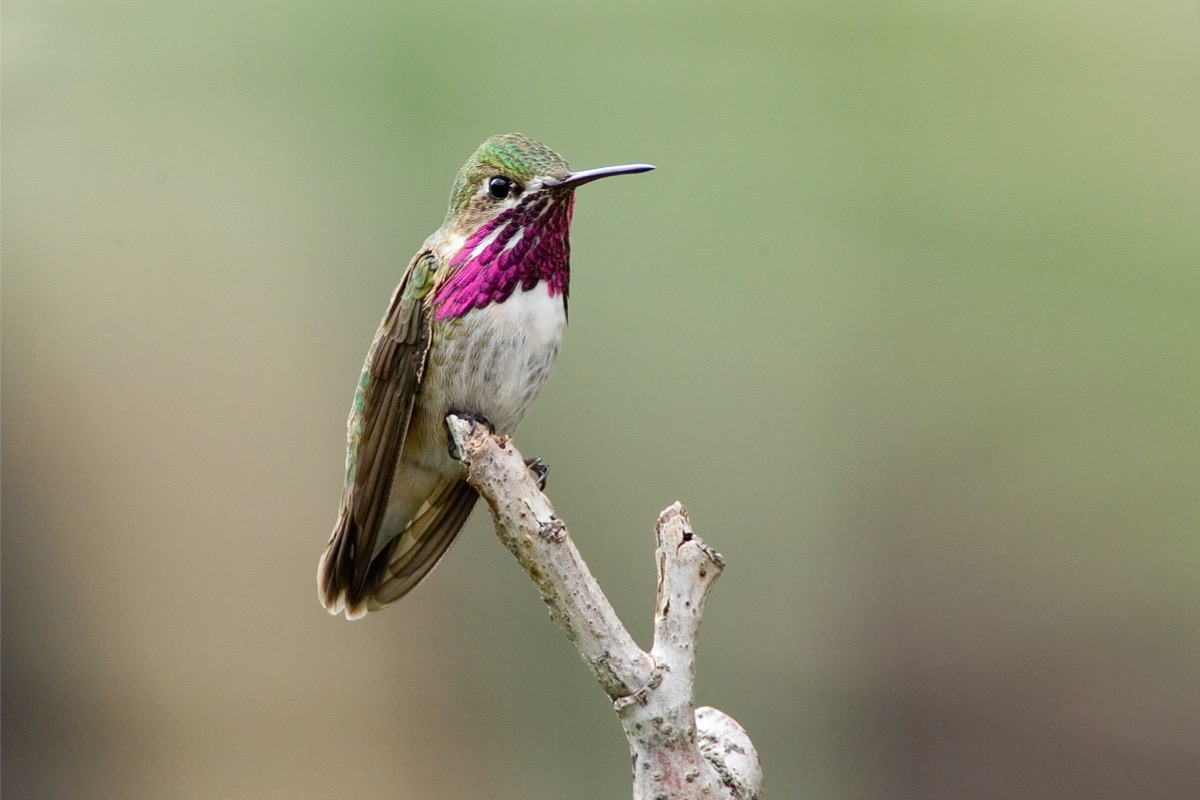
x: 679, y: 752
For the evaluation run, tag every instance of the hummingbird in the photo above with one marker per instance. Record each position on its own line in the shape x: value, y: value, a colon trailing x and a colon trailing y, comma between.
x: 472, y: 329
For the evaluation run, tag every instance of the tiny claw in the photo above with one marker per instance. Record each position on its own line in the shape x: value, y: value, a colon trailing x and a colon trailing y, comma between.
x: 540, y: 470
x: 481, y: 419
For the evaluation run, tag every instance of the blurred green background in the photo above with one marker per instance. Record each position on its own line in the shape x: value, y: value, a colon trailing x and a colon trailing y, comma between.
x: 907, y: 317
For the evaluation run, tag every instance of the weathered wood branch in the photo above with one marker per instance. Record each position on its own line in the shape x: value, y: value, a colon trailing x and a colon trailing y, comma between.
x: 679, y: 752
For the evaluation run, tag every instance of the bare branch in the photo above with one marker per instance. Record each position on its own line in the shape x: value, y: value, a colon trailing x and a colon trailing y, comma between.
x: 679, y: 752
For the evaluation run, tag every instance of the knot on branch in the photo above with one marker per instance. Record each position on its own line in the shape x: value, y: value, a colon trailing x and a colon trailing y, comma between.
x: 552, y: 529
x: 640, y: 697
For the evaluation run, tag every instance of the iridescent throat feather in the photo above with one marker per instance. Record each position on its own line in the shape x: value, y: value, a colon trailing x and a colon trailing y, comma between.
x: 521, y: 246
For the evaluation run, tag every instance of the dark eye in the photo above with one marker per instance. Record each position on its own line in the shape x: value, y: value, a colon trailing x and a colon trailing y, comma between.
x: 500, y: 187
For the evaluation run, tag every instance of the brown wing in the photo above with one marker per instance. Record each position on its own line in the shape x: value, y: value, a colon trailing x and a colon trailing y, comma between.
x: 378, y: 424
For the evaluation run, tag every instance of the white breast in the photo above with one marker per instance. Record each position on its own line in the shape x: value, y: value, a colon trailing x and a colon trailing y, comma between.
x: 542, y: 316
x: 513, y: 351
x: 493, y: 361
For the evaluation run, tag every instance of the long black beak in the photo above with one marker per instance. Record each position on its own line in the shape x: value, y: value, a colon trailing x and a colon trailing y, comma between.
x: 586, y: 175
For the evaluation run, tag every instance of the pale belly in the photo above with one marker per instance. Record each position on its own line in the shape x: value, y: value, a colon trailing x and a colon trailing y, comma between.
x: 493, y: 361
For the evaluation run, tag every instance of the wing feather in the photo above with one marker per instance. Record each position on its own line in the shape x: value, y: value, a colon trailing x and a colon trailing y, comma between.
x: 377, y: 428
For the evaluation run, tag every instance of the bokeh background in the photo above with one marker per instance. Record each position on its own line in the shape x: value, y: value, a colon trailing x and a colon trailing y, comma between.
x: 907, y: 317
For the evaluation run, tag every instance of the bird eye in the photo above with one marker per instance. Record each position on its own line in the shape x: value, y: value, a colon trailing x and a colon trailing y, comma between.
x: 500, y: 187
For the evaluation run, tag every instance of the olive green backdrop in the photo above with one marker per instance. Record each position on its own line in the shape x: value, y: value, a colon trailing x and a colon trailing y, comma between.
x: 908, y: 317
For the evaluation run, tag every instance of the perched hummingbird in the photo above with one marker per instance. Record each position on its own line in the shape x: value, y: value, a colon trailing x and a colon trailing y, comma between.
x: 473, y: 329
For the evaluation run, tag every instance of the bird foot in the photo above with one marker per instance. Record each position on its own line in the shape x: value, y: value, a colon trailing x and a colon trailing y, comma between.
x: 478, y: 419
x: 540, y: 470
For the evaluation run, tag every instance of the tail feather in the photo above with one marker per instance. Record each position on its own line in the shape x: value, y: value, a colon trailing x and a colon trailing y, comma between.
x: 411, y: 556
x: 402, y: 563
